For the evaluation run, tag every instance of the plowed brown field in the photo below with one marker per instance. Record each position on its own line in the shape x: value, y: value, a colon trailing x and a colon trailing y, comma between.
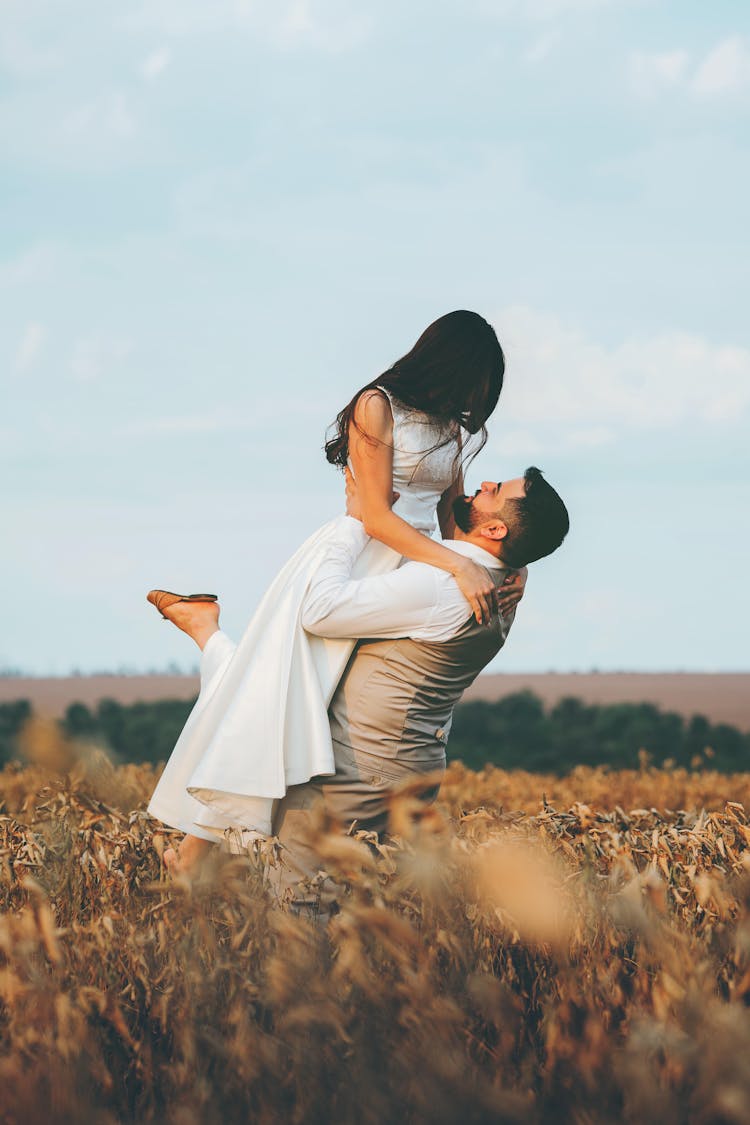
x: 722, y: 697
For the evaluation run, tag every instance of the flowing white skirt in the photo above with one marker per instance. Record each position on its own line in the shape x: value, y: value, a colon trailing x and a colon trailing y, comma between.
x: 260, y: 723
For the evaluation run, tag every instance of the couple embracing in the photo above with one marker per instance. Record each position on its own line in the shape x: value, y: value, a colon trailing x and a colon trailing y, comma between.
x: 345, y: 680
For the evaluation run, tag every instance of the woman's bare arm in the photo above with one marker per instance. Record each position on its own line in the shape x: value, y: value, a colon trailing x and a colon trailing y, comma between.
x: 371, y: 455
x: 445, y: 507
x: 512, y: 589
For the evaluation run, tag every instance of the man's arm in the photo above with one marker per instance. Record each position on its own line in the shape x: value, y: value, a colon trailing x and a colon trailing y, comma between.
x: 403, y: 603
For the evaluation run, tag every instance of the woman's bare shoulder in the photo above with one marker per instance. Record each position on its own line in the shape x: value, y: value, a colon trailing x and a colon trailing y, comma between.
x: 372, y: 412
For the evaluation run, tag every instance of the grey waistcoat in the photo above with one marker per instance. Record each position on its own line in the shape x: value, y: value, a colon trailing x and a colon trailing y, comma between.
x: 397, y: 697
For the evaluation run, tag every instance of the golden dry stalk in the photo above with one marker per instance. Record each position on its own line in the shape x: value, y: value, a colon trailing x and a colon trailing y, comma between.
x: 530, y: 949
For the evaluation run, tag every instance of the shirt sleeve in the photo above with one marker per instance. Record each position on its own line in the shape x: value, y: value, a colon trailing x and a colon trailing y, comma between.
x: 401, y: 603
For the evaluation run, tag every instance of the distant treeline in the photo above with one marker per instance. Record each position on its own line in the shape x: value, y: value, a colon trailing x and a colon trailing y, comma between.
x: 516, y: 732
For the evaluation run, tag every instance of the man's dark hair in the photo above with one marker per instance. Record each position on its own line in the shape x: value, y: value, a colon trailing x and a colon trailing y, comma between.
x: 537, y: 522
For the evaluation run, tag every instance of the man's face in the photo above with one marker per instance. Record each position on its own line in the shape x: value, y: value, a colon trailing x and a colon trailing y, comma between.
x: 486, y: 505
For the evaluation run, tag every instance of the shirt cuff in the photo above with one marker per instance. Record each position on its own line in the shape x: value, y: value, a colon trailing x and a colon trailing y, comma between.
x: 354, y: 532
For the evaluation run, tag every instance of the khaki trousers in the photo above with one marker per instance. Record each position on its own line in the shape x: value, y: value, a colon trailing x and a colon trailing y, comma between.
x: 356, y: 795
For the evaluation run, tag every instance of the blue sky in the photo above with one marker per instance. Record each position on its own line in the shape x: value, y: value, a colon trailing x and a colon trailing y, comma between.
x: 219, y: 219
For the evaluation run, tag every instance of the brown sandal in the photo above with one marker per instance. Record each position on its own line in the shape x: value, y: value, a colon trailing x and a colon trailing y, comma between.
x: 163, y: 599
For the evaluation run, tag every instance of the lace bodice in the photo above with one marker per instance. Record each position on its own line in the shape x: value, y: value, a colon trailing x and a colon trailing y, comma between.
x: 420, y: 477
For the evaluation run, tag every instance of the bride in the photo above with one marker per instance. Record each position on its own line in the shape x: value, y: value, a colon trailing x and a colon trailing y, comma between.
x: 260, y: 722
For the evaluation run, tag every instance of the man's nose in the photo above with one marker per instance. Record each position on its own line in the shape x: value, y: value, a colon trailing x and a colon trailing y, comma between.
x: 489, y: 486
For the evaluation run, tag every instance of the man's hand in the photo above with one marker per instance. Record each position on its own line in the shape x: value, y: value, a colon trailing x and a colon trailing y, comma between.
x: 511, y: 591
x: 353, y: 507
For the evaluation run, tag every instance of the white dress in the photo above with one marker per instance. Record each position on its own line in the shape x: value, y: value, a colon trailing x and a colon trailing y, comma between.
x: 260, y: 723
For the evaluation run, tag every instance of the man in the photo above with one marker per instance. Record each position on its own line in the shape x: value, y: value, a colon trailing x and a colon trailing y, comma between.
x: 391, y: 713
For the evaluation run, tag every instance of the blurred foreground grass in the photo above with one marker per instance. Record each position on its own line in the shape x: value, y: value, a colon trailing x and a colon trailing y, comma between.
x: 531, y: 949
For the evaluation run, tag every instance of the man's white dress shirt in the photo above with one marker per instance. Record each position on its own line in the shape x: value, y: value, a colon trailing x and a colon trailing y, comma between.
x: 416, y: 600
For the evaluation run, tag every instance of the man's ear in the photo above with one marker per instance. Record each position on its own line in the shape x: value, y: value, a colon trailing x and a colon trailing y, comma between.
x: 496, y: 530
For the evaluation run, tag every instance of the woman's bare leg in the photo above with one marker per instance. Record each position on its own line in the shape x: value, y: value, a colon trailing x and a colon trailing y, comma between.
x: 200, y: 620
x: 187, y: 858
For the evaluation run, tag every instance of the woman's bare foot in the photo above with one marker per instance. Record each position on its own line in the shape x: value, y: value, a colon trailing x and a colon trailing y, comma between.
x: 188, y: 857
x: 171, y: 861
x: 200, y: 620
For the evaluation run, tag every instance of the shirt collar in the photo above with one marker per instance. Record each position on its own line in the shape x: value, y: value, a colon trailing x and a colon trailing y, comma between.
x: 476, y: 554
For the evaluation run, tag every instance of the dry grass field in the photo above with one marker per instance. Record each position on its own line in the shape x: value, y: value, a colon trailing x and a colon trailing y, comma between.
x: 531, y: 949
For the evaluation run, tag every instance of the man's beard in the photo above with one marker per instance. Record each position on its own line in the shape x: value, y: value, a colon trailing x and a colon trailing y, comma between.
x: 463, y: 513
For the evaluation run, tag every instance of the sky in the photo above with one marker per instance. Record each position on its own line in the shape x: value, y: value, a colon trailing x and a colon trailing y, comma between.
x: 218, y: 220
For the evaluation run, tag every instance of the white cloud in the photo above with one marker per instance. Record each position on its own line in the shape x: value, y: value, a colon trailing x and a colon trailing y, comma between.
x: 546, y: 10
x: 521, y: 443
x: 31, y: 266
x: 26, y: 57
x: 208, y: 423
x: 725, y: 69
x: 29, y: 348
x: 556, y: 374
x: 156, y: 63
x: 215, y: 421
x: 651, y: 73
x: 324, y: 25
x: 94, y: 357
x: 541, y: 48
x: 108, y: 116
x: 590, y: 437
x: 601, y: 606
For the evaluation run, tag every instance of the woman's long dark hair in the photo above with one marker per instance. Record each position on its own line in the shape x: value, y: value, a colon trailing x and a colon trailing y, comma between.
x: 454, y: 373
